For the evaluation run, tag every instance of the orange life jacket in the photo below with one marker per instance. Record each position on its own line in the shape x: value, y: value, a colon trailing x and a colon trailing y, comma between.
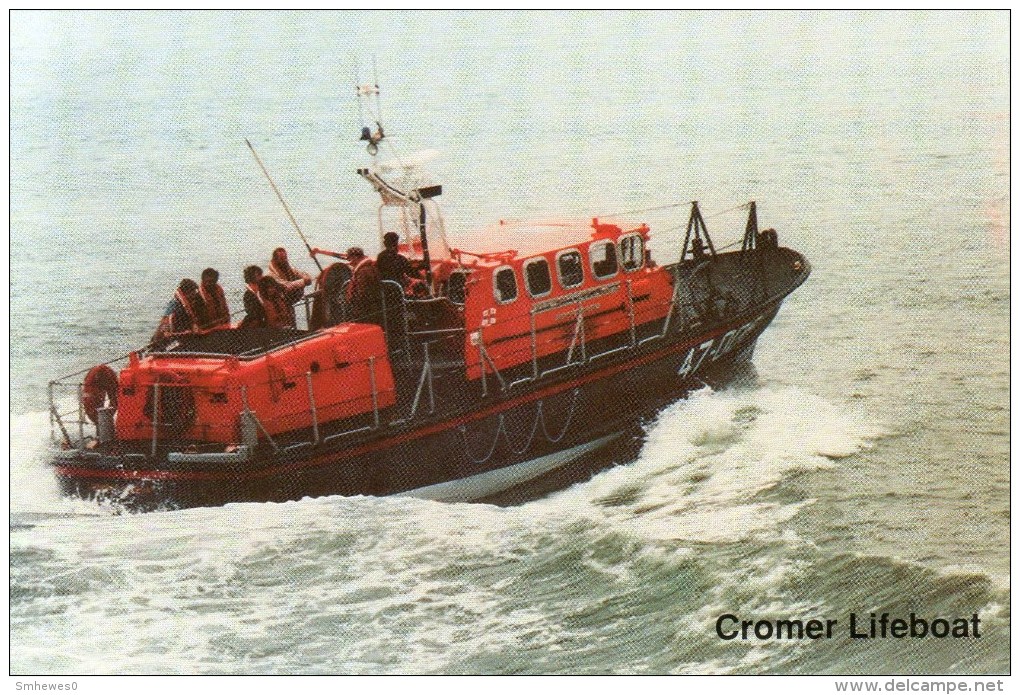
x: 279, y: 313
x: 188, y: 309
x: 217, y: 311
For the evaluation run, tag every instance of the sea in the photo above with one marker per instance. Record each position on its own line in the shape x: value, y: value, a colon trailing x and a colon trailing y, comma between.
x: 864, y: 469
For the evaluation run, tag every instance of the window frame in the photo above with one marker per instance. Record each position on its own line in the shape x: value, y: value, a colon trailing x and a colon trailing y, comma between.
x: 591, y: 259
x: 580, y: 265
x: 495, y: 285
x: 527, y: 279
x: 641, y: 263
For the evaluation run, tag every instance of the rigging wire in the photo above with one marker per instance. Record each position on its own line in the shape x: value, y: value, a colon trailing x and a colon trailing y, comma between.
x: 672, y: 205
x: 635, y: 212
x: 723, y: 212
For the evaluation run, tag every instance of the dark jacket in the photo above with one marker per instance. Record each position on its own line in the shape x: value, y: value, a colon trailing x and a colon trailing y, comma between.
x: 393, y: 266
x: 254, y: 311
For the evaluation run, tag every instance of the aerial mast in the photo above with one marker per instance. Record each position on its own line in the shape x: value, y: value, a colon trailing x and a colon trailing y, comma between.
x: 365, y: 93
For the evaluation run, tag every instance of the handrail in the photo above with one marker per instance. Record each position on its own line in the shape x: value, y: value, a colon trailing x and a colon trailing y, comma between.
x: 249, y: 413
x: 630, y: 313
x: 311, y: 401
x: 155, y: 417
x: 576, y: 334
x: 578, y: 337
x: 375, y: 394
x: 54, y: 415
x: 669, y: 315
x: 426, y: 376
x: 675, y: 303
x: 81, y: 414
x: 438, y: 331
x: 88, y: 369
x: 484, y: 357
x: 678, y: 302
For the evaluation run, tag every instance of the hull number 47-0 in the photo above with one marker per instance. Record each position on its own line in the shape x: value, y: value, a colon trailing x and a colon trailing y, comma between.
x: 715, y: 348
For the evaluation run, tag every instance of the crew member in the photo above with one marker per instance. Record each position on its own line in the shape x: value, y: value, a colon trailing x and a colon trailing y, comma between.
x: 279, y: 311
x: 391, y: 264
x: 216, y: 309
x: 364, y: 289
x: 184, y: 314
x: 254, y: 310
x: 698, y: 249
x: 293, y: 280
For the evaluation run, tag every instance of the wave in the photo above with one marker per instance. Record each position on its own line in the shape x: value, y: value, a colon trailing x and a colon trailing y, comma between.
x: 707, y: 459
x: 35, y: 494
x: 584, y: 580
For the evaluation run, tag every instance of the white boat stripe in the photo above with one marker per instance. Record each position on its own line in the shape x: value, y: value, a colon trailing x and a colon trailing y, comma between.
x: 489, y: 483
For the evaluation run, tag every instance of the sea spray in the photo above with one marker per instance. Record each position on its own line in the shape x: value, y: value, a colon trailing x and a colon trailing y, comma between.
x: 627, y: 571
x: 707, y: 457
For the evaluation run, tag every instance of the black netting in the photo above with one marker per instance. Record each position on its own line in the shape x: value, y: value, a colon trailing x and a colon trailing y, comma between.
x: 247, y: 342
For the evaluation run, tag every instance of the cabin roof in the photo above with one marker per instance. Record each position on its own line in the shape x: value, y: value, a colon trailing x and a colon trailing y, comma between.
x: 511, y: 240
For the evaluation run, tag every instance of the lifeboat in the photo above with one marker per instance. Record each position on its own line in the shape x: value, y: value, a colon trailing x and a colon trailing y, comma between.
x: 484, y: 372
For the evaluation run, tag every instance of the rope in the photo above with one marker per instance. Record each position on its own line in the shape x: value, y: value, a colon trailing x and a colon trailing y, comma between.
x: 501, y: 429
x: 492, y: 449
x: 723, y: 212
x: 660, y: 233
x: 531, y: 437
x: 635, y: 212
x: 566, y: 425
x: 672, y: 205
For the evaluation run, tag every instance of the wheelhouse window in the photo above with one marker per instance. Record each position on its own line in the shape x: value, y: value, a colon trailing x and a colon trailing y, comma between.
x: 603, y: 259
x: 505, y: 285
x: 570, y: 268
x: 632, y: 252
x: 536, y: 273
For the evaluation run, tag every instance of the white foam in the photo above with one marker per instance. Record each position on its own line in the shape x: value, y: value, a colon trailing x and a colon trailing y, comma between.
x: 706, y: 458
x: 412, y: 585
x: 34, y: 489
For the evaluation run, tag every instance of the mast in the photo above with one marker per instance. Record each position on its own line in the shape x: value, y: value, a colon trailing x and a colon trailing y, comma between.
x: 407, y: 190
x: 751, y: 230
x: 697, y: 235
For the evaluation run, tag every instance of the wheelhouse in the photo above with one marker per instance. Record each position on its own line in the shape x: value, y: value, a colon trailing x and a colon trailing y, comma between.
x: 524, y: 307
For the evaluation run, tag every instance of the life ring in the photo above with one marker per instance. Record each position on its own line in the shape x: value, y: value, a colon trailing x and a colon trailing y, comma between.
x: 99, y: 387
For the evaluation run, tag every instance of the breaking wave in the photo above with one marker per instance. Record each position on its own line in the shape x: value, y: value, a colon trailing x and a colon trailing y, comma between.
x: 625, y: 572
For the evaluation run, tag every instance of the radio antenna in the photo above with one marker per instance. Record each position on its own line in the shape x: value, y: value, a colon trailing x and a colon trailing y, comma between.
x: 372, y: 137
x: 283, y: 203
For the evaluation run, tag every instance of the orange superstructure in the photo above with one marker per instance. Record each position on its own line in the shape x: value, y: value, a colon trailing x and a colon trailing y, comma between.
x: 520, y: 308
x: 344, y: 370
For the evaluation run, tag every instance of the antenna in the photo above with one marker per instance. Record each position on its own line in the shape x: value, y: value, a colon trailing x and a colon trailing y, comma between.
x: 378, y: 103
x: 355, y: 70
x: 366, y: 91
x: 282, y: 201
